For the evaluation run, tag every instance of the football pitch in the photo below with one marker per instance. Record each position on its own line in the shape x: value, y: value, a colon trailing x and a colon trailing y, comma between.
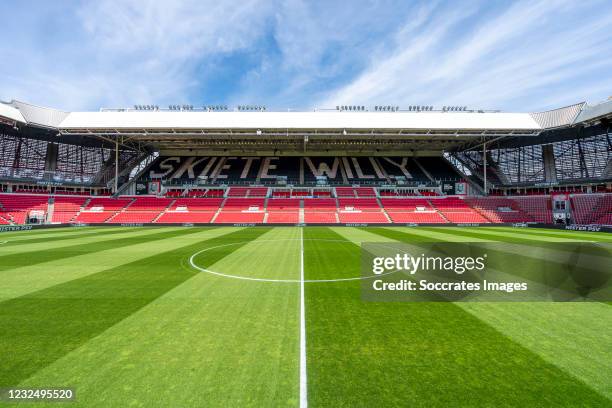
x: 271, y: 316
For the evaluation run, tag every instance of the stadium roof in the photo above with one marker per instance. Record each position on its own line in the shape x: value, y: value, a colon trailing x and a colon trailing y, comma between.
x: 8, y: 112
x: 322, y: 130
x: 298, y: 120
x: 132, y: 119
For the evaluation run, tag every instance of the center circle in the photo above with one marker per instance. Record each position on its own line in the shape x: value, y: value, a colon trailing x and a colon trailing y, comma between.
x: 248, y: 278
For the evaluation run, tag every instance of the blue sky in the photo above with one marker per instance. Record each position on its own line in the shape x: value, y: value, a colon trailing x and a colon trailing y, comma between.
x: 514, y: 56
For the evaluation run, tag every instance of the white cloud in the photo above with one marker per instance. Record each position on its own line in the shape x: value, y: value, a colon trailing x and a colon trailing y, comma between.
x: 135, y: 52
x: 503, y: 62
x: 298, y: 53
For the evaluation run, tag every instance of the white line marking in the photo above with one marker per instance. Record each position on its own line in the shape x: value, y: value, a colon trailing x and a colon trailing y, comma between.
x: 301, y: 281
x: 303, y: 382
x: 225, y: 275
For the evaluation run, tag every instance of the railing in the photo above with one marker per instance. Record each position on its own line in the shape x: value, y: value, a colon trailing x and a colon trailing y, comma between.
x: 42, y: 177
x: 295, y: 183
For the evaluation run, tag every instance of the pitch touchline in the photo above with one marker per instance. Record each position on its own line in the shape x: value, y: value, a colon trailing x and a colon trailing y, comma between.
x: 301, y: 280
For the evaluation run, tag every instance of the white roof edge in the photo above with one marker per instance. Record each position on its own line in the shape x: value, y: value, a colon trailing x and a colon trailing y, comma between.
x: 11, y: 113
x: 436, y: 120
x: 17, y: 102
x: 298, y: 120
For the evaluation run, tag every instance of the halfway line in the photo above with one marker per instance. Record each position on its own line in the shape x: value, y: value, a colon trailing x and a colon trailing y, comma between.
x: 303, y: 383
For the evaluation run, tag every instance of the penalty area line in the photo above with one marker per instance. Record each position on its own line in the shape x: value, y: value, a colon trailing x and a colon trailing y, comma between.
x: 303, y: 381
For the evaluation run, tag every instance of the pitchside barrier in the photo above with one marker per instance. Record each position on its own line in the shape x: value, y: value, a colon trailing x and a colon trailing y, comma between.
x: 587, y: 228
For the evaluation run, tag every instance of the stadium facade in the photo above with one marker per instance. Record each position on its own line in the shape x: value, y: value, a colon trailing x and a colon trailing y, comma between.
x: 348, y: 165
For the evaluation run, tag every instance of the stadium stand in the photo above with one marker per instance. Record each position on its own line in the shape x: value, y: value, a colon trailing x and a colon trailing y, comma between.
x: 517, y: 171
x: 365, y: 192
x: 107, y: 204
x: 283, y: 210
x: 361, y: 210
x: 101, y: 209
x: 322, y: 193
x: 243, y: 204
x: 281, y: 194
x: 592, y: 208
x: 455, y: 210
x: 405, y: 204
x: 16, y: 208
x: 320, y: 204
x: 499, y: 210
x: 321, y: 217
x: 282, y: 204
x: 539, y: 208
x: 196, y: 204
x: 585, y: 209
x: 190, y: 210
x: 345, y: 192
x: 238, y: 192
x: 283, y: 217
x: 91, y: 217
x: 149, y: 204
x: 320, y: 210
x: 214, y: 192
x: 138, y: 217
x: 411, y: 210
x: 416, y: 217
x: 185, y: 217
x: 241, y: 211
x: 360, y: 204
x: 363, y: 217
x: 65, y: 209
x: 245, y: 217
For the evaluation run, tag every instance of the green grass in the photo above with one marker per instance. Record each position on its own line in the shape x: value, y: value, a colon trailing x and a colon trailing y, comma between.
x: 120, y: 315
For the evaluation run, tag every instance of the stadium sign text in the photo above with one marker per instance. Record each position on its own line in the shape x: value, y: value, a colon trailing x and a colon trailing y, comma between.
x: 591, y: 228
x: 15, y: 228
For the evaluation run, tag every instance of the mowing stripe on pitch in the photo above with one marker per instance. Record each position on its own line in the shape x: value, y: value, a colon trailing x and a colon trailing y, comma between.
x: 28, y: 238
x: 50, y: 248
x: 31, y: 278
x: 574, y: 330
x: 544, y: 232
x: 512, y: 234
x: 88, y: 306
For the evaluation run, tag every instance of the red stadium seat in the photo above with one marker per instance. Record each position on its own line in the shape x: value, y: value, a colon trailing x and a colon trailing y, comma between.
x: 362, y: 204
x: 591, y: 208
x: 236, y: 217
x: 17, y: 207
x: 94, y: 217
x: 280, y: 204
x: 320, y: 204
x: 363, y: 217
x: 365, y: 192
x: 186, y: 217
x: 137, y: 217
x: 345, y: 192
x: 417, y: 218
x: 65, y: 209
x: 290, y: 217
x: 197, y: 204
x: 320, y: 217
